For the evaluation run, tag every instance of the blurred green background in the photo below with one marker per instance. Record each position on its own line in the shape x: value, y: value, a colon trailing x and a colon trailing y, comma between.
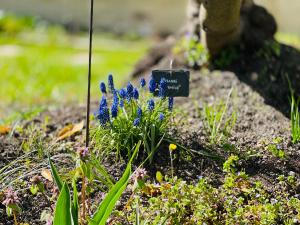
x: 42, y: 64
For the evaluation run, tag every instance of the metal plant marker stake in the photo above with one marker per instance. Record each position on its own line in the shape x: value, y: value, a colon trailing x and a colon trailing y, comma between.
x: 88, y: 103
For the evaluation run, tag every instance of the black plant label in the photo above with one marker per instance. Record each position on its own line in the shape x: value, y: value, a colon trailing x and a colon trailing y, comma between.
x: 178, y: 82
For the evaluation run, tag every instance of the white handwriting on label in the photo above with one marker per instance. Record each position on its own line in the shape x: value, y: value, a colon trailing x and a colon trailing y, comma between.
x: 172, y: 81
x: 177, y: 87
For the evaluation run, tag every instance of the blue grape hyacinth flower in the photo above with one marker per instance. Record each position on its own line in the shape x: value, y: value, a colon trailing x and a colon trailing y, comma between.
x: 143, y: 82
x: 116, y: 99
x: 122, y: 103
x: 151, y: 105
x: 163, y: 87
x: 139, y: 112
x: 152, y: 85
x: 129, y: 89
x: 171, y: 103
x: 103, y: 88
x: 123, y: 93
x: 114, y: 110
x: 103, y: 115
x: 161, y: 116
x: 111, y: 85
x: 136, y: 122
x: 103, y: 102
x: 135, y: 94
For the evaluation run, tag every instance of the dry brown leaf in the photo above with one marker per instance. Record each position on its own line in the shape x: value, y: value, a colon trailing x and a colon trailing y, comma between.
x: 70, y: 130
x: 66, y: 129
x: 4, y: 129
x: 47, y: 174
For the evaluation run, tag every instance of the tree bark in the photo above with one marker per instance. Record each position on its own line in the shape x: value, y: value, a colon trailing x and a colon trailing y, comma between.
x: 219, y: 23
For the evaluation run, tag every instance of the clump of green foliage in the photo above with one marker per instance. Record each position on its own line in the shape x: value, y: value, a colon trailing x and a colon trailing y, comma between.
x: 238, y: 200
x: 218, y: 121
x: 226, y: 57
x: 68, y: 209
x: 275, y: 148
x: 130, y: 115
x: 295, y: 119
x: 10, y: 24
x: 269, y: 49
x: 195, y: 54
x: 294, y: 114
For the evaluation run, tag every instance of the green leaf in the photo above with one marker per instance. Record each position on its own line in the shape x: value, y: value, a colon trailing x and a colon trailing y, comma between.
x: 55, y: 175
x: 159, y: 177
x: 34, y: 189
x: 105, y: 208
x: 9, y: 211
x: 75, y: 204
x: 62, y: 214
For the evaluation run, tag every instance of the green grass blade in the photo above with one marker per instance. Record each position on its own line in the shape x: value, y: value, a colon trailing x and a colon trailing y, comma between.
x: 75, y: 204
x: 55, y: 175
x: 62, y: 214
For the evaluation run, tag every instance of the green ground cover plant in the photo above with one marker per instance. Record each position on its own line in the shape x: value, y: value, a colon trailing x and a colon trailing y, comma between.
x: 194, y: 52
x: 175, y: 201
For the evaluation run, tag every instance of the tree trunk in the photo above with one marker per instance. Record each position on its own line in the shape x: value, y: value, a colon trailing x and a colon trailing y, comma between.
x: 219, y: 23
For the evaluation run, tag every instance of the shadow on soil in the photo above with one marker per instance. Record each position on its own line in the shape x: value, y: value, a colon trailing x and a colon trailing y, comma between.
x: 266, y: 71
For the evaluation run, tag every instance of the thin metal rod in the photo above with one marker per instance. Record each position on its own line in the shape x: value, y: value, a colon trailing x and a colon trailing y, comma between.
x: 88, y: 103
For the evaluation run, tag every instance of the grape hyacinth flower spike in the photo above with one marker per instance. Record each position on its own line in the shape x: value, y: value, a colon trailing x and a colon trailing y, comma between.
x: 111, y: 85
x: 103, y: 113
x: 116, y: 99
x: 103, y: 116
x: 161, y: 116
x: 143, y: 82
x: 103, y: 88
x: 103, y: 102
x: 135, y: 94
x: 163, y: 88
x: 114, y: 110
x: 136, y: 122
x: 152, y: 85
x: 151, y: 105
x: 129, y: 88
x: 122, y: 103
x: 139, y: 112
x: 123, y: 93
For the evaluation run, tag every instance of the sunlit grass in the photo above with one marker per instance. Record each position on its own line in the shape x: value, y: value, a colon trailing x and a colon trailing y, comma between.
x: 39, y: 68
x: 289, y: 39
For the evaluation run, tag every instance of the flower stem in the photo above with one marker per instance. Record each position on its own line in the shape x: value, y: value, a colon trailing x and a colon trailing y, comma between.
x: 172, y: 169
x: 15, y: 218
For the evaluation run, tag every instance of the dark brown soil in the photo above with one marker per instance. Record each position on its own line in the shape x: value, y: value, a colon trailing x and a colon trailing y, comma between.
x: 260, y: 98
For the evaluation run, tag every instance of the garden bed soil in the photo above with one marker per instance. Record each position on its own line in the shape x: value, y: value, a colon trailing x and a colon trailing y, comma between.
x: 260, y: 98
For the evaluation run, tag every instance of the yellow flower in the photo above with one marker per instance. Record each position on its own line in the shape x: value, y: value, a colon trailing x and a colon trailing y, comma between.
x: 172, y: 147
